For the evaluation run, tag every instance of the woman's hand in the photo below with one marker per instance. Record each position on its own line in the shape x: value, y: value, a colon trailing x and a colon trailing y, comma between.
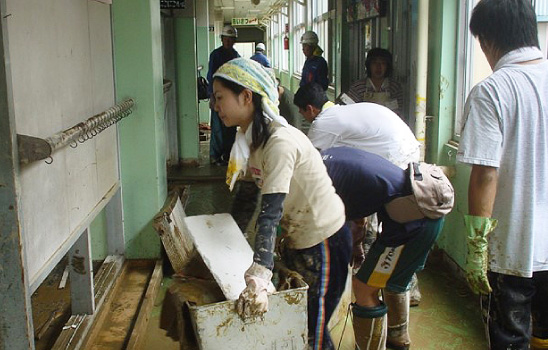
x: 253, y: 300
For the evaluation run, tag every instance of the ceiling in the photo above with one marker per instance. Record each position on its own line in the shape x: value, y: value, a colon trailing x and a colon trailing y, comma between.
x: 247, y: 8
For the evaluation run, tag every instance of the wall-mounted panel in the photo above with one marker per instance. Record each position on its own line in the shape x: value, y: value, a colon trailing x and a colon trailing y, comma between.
x: 62, y: 74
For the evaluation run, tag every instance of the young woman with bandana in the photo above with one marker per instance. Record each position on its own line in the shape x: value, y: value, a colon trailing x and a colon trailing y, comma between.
x: 296, y: 192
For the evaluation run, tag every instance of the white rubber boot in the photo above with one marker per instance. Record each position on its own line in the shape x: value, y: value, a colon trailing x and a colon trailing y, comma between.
x: 398, y: 320
x: 414, y: 291
x: 370, y: 327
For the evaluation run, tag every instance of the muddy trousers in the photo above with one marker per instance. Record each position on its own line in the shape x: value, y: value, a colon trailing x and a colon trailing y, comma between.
x: 222, y: 139
x: 369, y: 327
x: 509, y: 309
x: 324, y: 268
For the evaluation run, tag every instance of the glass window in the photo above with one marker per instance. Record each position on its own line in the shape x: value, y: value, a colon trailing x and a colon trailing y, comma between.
x: 274, y: 39
x: 472, y: 66
x: 298, y: 25
x: 541, y: 8
x: 284, y: 54
x: 320, y: 24
x: 278, y: 55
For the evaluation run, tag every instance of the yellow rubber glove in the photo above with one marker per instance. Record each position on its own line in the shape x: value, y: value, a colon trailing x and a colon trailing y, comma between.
x: 477, y: 230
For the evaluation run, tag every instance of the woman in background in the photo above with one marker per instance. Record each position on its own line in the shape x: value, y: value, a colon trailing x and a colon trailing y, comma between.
x: 378, y: 86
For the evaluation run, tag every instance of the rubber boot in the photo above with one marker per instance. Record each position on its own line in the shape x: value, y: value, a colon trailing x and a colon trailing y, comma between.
x: 370, y: 327
x: 414, y: 292
x: 538, y: 343
x: 398, y: 320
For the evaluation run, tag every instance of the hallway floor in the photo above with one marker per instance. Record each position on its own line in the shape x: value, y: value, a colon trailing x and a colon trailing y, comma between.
x: 448, y: 317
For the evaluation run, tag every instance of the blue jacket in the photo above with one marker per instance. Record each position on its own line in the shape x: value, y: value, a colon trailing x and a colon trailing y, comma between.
x: 217, y: 58
x: 315, y: 70
x: 262, y: 59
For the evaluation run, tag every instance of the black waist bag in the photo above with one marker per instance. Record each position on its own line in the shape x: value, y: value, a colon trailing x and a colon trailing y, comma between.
x: 432, y: 197
x: 202, y: 88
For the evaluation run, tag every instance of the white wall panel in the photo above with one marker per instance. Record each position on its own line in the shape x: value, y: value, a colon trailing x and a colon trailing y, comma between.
x: 62, y: 70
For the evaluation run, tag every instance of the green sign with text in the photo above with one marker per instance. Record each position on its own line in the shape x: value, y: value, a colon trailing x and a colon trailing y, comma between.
x: 245, y: 21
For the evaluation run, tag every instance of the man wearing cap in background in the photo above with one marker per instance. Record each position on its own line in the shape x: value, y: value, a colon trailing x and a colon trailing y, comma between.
x: 222, y: 137
x: 315, y: 67
x: 259, y: 55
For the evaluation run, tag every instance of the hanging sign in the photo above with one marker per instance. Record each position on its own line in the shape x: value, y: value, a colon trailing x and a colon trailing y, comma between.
x: 364, y: 9
x: 172, y: 4
x: 245, y: 21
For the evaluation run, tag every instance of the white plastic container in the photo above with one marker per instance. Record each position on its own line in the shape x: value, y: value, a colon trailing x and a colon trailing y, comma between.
x: 218, y: 326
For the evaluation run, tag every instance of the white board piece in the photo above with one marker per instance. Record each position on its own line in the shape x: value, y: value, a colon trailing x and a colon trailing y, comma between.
x: 223, y: 248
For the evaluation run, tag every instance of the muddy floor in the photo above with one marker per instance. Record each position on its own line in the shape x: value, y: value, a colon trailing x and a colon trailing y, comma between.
x: 448, y: 317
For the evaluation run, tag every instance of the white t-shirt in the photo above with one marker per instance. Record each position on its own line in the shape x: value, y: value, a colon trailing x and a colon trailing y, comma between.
x: 288, y: 163
x: 366, y: 126
x: 506, y: 127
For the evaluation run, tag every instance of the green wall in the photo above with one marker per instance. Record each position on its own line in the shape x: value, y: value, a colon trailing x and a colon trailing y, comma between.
x: 138, y: 67
x: 187, y: 94
x: 441, y: 102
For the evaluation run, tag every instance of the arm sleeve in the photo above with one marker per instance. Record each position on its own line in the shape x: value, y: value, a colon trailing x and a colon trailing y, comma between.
x: 212, y: 68
x: 481, y: 138
x: 323, y: 75
x: 353, y: 92
x: 267, y: 224
x: 322, y: 139
x: 244, y: 203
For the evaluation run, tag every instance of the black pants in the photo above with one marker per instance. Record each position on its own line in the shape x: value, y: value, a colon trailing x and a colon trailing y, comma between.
x: 324, y: 268
x: 509, y: 309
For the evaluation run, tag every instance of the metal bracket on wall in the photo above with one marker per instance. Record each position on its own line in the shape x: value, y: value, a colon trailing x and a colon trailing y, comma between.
x: 32, y: 148
x: 167, y: 85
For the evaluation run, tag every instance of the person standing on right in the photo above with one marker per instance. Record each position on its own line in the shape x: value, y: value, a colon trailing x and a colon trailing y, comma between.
x: 222, y: 138
x: 505, y: 139
x: 315, y: 67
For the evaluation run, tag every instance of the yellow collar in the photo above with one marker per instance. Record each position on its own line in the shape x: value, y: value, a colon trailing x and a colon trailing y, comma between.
x: 327, y: 105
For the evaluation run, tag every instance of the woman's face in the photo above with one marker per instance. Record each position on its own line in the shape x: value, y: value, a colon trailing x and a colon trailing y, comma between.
x: 378, y: 67
x: 234, y: 110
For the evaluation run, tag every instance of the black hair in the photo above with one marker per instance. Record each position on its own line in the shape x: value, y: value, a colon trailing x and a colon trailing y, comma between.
x: 379, y: 53
x: 506, y: 24
x: 310, y: 94
x: 259, y: 131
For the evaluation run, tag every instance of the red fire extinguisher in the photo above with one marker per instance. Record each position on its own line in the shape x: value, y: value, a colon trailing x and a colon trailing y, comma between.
x: 286, y: 42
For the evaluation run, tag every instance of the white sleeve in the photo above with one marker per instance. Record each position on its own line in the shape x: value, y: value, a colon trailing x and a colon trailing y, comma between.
x: 321, y: 139
x: 481, y: 137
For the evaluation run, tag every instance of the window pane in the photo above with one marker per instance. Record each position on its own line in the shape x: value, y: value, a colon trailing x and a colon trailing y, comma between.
x: 472, y: 64
x: 298, y: 29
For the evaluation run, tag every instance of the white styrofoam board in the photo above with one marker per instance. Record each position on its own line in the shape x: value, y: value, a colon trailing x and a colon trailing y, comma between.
x: 223, y: 248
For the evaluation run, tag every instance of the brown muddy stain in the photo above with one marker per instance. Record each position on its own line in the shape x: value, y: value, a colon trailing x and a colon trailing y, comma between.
x: 293, y: 298
x: 123, y: 309
x: 223, y: 327
x: 78, y: 265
